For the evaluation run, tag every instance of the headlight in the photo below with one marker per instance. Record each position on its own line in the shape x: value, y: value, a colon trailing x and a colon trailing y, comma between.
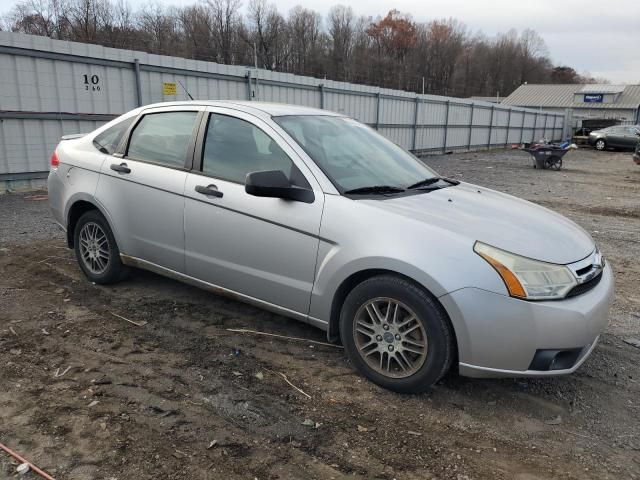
x: 527, y: 278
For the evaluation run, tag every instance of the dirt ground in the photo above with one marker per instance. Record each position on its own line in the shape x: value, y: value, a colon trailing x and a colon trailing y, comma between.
x: 84, y: 394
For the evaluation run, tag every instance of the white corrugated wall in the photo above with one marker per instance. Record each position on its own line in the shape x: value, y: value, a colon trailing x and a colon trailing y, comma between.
x: 52, y: 88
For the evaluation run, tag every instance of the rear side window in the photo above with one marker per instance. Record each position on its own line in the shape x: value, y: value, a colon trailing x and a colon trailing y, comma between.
x: 234, y: 147
x: 108, y: 141
x: 162, y: 138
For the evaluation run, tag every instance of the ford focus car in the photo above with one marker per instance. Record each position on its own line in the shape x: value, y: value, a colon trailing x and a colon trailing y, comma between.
x: 317, y: 217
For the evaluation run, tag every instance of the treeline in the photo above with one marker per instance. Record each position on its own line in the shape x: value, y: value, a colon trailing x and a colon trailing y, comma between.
x: 394, y: 51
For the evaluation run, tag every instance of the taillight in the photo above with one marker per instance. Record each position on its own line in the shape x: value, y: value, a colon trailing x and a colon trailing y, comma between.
x: 54, y: 160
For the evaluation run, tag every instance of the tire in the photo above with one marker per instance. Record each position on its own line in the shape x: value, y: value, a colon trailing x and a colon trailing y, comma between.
x: 600, y: 145
x: 554, y: 162
x: 96, y: 249
x: 370, y: 341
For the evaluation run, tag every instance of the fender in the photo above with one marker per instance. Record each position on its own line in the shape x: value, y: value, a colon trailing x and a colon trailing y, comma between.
x: 82, y: 196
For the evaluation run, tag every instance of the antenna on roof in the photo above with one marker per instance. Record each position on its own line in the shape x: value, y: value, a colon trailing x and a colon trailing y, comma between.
x: 185, y: 90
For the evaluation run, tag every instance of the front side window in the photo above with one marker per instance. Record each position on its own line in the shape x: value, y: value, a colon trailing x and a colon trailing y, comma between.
x: 352, y: 155
x: 233, y: 148
x: 162, y: 138
x: 108, y: 141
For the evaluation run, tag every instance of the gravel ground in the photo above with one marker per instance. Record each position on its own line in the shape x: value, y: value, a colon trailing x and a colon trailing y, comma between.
x: 85, y: 394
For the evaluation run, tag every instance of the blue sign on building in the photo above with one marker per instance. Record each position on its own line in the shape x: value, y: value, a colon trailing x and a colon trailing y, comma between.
x: 593, y: 97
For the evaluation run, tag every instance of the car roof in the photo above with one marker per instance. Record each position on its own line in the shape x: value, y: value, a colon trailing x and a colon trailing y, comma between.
x: 263, y: 108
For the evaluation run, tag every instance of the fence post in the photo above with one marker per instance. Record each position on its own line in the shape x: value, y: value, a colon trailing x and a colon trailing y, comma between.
x: 473, y: 105
x: 506, y: 138
x: 544, y: 131
x: 249, y: 85
x: 378, y: 107
x: 535, y: 125
x: 490, y: 127
x: 555, y: 125
x: 415, y: 123
x: 136, y: 70
x: 321, y: 86
x: 524, y: 118
x: 446, y: 127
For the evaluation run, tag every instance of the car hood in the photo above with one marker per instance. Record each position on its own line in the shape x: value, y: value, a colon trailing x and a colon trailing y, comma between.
x: 498, y: 219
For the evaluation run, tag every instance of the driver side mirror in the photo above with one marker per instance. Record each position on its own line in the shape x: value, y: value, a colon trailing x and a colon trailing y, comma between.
x: 275, y: 184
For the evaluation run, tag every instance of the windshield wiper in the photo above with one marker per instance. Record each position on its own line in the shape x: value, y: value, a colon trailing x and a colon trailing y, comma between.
x: 374, y: 189
x: 430, y: 181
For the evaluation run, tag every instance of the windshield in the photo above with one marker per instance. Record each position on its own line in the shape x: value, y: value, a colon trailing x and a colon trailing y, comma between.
x: 352, y: 155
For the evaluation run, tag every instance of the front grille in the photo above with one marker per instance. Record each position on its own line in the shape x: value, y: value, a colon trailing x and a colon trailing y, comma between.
x: 585, y: 287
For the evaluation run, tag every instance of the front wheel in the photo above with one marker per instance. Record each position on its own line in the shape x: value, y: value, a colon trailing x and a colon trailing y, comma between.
x: 601, y: 145
x: 396, y: 334
x: 96, y: 249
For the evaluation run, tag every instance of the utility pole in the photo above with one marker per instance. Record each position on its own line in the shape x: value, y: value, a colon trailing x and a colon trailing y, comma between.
x: 423, y: 85
x: 255, y: 62
x: 255, y: 55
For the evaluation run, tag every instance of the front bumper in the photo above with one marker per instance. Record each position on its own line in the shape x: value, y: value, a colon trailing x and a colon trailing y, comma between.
x: 498, y: 336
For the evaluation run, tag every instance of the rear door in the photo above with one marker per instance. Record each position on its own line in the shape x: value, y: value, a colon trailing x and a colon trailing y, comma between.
x: 143, y: 190
x: 616, y: 137
x: 631, y: 137
x: 264, y: 248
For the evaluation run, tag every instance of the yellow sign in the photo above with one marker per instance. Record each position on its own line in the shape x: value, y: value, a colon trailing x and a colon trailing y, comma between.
x: 169, y: 88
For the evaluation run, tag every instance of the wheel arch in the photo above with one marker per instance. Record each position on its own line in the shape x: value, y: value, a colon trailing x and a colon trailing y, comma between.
x: 349, y: 283
x: 77, y: 207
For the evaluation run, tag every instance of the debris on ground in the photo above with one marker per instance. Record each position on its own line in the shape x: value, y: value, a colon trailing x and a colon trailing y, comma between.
x: 634, y: 342
x: 554, y: 421
x: 23, y: 468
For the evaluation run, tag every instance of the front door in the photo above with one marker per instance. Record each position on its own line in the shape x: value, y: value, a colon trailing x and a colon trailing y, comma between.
x: 143, y: 191
x: 264, y: 248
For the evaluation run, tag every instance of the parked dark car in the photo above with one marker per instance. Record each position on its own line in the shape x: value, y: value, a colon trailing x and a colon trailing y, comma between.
x: 636, y: 155
x: 621, y: 136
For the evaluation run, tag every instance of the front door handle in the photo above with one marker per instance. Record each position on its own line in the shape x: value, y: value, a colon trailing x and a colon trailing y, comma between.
x: 210, y: 190
x: 122, y: 168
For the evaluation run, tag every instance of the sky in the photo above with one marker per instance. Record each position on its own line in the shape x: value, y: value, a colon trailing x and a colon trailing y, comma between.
x: 601, y: 38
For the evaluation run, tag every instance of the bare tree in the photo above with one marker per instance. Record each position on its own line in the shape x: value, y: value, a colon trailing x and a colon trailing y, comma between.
x: 159, y: 29
x: 305, y: 39
x: 341, y: 32
x: 196, y: 23
x: 225, y: 27
x: 37, y: 17
x: 440, y: 56
x: 267, y: 34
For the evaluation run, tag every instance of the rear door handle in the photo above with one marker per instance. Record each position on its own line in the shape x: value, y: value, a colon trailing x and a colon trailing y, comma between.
x: 210, y: 190
x: 122, y: 168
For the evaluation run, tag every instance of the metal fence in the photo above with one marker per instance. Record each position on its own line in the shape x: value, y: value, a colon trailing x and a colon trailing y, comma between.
x: 51, y: 88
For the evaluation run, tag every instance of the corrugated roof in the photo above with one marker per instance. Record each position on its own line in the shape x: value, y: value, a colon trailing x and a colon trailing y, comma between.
x: 595, y: 88
x: 562, y: 96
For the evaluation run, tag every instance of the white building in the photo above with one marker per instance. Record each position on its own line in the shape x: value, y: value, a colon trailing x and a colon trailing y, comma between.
x: 613, y: 102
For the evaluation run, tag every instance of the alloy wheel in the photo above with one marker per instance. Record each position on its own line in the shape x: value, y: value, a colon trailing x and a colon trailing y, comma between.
x: 94, y: 248
x: 600, y: 145
x: 390, y: 338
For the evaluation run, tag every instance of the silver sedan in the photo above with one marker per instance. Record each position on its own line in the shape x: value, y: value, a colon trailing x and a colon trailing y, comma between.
x: 317, y: 217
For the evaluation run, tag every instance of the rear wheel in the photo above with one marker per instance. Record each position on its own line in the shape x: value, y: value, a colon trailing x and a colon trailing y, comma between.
x: 396, y: 334
x: 96, y: 249
x: 600, y: 144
